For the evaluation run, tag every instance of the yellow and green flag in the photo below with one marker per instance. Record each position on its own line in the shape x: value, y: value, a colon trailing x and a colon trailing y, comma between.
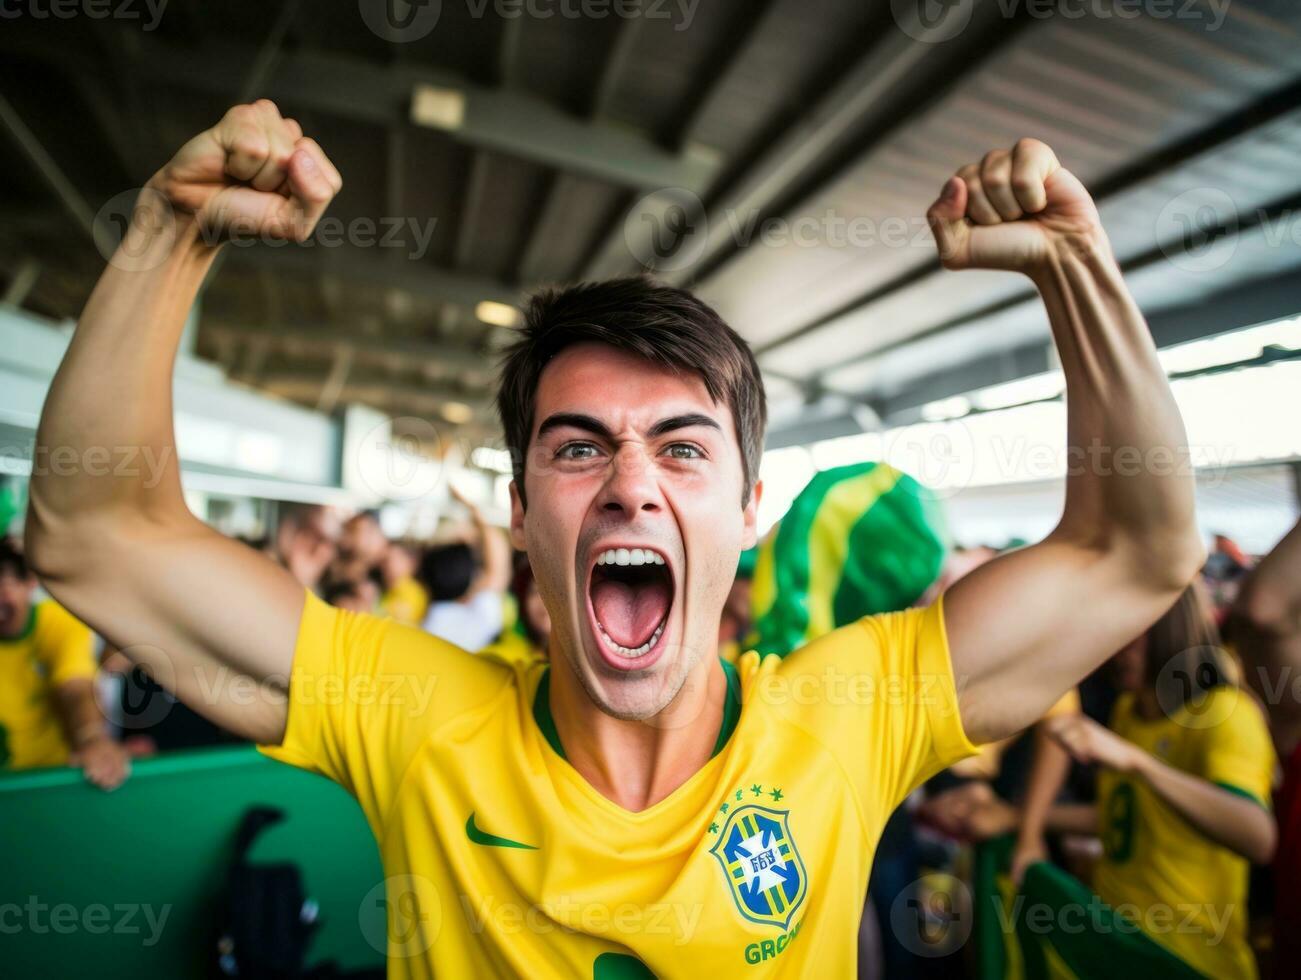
x: 858, y: 540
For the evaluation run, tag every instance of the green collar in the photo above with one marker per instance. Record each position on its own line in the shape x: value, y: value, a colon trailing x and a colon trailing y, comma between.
x: 547, y: 724
x: 26, y: 630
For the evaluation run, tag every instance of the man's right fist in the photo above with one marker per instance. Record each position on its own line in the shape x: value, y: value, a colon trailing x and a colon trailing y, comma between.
x: 253, y: 174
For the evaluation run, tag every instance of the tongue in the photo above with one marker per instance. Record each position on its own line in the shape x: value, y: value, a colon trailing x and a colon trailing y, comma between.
x: 630, y: 612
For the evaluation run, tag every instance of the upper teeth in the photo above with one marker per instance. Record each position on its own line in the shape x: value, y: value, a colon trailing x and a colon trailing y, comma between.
x: 630, y: 556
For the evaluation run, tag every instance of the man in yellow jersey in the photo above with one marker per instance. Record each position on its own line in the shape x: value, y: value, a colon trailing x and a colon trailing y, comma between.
x: 633, y: 808
x: 48, y: 714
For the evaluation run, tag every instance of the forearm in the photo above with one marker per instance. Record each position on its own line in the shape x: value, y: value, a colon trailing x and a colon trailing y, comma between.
x: 1233, y: 821
x: 494, y: 552
x: 1129, y: 484
x: 1072, y: 818
x: 122, y: 551
x: 1127, y: 541
x: 79, y: 713
x: 114, y: 390
x: 1052, y: 764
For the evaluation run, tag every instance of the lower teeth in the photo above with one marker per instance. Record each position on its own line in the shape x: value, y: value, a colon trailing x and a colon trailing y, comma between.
x: 632, y: 654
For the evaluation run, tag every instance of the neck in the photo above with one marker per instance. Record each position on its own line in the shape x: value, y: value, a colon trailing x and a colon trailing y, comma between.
x: 636, y: 764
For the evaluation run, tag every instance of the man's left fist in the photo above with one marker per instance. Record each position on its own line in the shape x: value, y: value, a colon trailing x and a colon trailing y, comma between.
x: 1014, y: 210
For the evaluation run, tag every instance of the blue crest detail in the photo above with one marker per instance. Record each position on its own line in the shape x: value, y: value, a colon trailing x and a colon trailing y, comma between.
x: 762, y: 865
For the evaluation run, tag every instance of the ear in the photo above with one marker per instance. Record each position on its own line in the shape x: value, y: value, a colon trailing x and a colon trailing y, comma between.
x: 750, y: 514
x: 517, y: 520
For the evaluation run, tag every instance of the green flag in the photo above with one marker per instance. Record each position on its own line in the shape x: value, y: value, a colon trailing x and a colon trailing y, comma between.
x: 858, y: 540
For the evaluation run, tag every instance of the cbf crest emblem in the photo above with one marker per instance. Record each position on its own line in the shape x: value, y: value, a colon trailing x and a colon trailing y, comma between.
x: 762, y: 865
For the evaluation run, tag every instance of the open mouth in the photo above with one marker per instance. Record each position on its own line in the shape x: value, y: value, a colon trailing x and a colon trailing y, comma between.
x: 630, y: 593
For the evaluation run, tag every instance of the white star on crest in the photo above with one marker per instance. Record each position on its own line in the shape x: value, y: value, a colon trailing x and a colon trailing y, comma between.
x: 766, y: 877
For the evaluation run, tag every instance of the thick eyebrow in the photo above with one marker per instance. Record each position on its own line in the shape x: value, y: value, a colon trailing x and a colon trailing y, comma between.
x: 574, y: 420
x: 687, y: 421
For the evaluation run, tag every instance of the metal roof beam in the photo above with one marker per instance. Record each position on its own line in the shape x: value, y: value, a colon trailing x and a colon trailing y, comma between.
x: 437, y: 354
x: 497, y: 119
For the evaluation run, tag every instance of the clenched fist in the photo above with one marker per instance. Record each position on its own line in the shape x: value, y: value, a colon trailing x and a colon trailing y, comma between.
x: 252, y: 174
x: 1012, y: 211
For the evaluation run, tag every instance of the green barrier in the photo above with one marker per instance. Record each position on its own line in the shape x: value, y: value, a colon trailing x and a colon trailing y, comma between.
x: 1090, y: 945
x: 129, y: 884
x: 1061, y: 929
x: 996, y: 957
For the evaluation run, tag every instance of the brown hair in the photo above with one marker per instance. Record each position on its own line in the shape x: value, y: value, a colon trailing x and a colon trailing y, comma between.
x: 1183, y: 651
x: 666, y: 326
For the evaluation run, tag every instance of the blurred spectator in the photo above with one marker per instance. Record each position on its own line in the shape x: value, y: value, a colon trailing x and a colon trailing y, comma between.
x: 533, y: 615
x: 1225, y: 569
x: 526, y: 641
x: 48, y: 713
x: 1185, y: 773
x: 734, y: 625
x: 404, y: 599
x: 1264, y: 629
x: 466, y: 597
x: 360, y: 595
x: 306, y: 542
x: 362, y: 547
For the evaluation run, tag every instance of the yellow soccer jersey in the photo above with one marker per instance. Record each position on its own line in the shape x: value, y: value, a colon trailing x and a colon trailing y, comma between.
x: 1186, y: 892
x: 501, y: 860
x: 514, y: 649
x: 53, y: 648
x: 407, y: 601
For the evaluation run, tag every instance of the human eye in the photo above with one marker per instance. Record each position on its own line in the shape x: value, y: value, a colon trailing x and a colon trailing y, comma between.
x: 577, y: 450
x: 684, y: 450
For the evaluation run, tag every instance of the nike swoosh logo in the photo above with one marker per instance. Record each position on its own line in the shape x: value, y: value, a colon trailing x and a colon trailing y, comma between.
x: 490, y: 840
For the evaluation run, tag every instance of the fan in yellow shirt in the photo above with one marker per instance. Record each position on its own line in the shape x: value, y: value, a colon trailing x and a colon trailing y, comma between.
x: 47, y: 671
x: 1183, y: 793
x: 404, y: 599
x: 502, y: 860
x: 632, y: 805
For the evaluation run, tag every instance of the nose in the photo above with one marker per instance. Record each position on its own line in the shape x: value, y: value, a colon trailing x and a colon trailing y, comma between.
x: 631, y: 487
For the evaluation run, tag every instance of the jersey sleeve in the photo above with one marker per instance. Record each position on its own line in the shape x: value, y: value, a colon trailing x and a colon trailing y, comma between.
x: 1238, y: 754
x: 880, y: 694
x: 65, y: 644
x: 1067, y: 704
x: 366, y: 692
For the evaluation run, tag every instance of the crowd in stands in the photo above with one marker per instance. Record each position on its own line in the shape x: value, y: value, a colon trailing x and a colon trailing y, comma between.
x: 1156, y: 784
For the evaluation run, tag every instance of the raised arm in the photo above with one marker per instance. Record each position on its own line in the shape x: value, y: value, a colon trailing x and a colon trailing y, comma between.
x: 494, y: 550
x: 1026, y: 626
x: 212, y: 620
x: 1266, y: 630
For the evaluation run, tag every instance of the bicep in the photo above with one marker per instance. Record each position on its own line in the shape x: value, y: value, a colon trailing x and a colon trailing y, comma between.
x: 213, y: 621
x: 1028, y: 625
